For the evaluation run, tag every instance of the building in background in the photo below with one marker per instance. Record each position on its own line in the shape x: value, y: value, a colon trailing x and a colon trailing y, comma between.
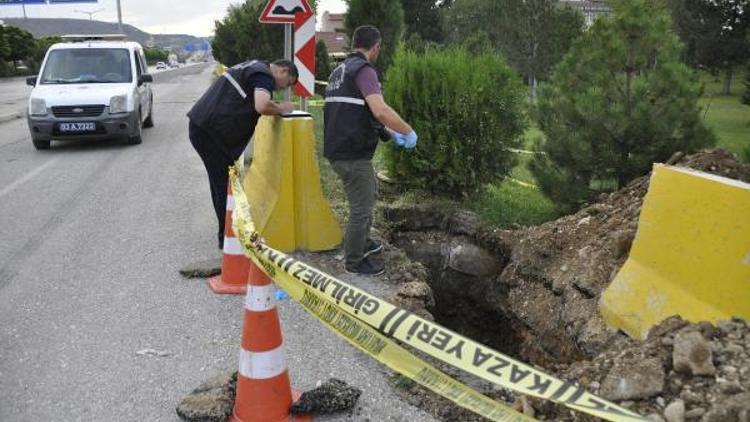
x: 590, y: 9
x: 333, y: 34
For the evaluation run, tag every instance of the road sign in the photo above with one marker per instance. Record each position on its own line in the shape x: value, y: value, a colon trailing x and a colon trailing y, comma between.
x: 20, y: 2
x: 304, y: 54
x: 284, y: 11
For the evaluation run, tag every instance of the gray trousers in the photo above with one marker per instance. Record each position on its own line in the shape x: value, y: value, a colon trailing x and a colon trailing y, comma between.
x: 361, y: 187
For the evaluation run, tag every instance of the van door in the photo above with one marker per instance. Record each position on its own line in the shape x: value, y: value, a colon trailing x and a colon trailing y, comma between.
x: 142, y: 90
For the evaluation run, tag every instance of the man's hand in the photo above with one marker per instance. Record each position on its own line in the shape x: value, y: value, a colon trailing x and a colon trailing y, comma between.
x: 286, y: 107
x: 399, y: 139
x: 410, y: 140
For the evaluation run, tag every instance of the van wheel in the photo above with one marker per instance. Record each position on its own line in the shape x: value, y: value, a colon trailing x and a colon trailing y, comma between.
x: 40, y: 145
x: 150, y: 119
x: 136, y: 138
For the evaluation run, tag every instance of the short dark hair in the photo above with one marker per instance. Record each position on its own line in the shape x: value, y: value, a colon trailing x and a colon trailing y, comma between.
x: 289, y: 66
x: 365, y: 37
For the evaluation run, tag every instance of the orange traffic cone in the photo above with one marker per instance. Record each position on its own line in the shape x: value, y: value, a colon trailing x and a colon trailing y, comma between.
x: 263, y: 390
x: 235, y: 266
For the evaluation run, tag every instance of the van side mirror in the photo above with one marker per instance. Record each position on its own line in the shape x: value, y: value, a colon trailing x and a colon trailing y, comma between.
x: 31, y: 81
x: 145, y: 78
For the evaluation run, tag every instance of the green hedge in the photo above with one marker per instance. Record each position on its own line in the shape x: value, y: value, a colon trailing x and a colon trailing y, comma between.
x: 468, y: 110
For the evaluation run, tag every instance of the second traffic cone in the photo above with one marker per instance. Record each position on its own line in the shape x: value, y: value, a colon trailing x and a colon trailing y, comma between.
x: 235, y: 265
x: 263, y: 390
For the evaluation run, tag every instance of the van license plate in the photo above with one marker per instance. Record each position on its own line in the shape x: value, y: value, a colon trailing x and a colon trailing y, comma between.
x: 77, y: 127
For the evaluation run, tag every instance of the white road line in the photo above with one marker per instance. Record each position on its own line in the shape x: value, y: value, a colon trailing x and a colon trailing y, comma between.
x: 6, y: 190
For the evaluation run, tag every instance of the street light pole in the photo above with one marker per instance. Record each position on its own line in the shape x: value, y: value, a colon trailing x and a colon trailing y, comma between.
x: 119, y: 17
x: 91, y: 14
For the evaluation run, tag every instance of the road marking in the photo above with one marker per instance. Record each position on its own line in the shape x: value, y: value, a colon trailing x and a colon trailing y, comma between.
x: 27, y: 177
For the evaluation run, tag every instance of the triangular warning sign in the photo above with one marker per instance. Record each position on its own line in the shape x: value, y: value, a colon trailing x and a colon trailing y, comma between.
x: 283, y: 11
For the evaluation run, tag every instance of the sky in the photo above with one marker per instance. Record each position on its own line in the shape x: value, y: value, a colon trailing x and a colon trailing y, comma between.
x: 194, y: 17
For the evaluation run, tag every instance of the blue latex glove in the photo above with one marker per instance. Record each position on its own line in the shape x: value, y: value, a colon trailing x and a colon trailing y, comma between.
x: 281, y: 295
x: 411, y: 140
x: 399, y: 139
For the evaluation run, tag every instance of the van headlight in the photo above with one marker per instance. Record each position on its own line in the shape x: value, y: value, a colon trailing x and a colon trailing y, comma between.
x: 38, y: 107
x: 118, y: 104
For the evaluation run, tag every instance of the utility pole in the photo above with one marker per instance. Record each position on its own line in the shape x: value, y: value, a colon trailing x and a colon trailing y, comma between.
x: 119, y: 17
x: 288, y: 47
x: 23, y: 5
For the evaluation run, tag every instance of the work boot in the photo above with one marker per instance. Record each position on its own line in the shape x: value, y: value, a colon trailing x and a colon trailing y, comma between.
x: 373, y: 246
x: 366, y: 268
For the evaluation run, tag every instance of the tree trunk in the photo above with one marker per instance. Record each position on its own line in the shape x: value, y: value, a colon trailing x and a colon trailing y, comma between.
x: 532, y: 87
x: 728, y: 81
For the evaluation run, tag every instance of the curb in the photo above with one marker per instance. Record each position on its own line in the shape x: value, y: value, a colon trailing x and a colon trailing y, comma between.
x: 8, y: 117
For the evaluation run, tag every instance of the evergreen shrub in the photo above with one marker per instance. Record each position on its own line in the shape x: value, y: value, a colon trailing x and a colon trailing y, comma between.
x: 469, y: 112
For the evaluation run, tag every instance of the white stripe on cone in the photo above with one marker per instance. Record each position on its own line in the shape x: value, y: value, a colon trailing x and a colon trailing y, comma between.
x: 260, y: 298
x: 262, y: 365
x: 232, y: 246
x: 230, y: 203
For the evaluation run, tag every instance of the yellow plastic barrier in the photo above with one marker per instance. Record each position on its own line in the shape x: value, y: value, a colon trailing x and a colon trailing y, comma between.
x: 690, y: 257
x: 283, y: 187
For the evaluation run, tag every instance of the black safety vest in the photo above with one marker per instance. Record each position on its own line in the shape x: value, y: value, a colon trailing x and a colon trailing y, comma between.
x: 350, y: 128
x: 227, y: 110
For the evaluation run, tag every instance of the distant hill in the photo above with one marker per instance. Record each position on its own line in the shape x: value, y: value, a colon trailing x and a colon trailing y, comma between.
x: 46, y: 27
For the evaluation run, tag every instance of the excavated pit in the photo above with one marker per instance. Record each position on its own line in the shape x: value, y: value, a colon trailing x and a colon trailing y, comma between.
x: 466, y: 282
x: 533, y: 294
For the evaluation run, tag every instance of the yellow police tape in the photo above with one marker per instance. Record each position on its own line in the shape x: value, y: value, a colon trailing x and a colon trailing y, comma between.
x: 315, y: 289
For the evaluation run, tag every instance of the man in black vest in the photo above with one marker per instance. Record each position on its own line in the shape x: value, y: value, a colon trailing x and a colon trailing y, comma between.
x: 224, y: 118
x: 355, y: 116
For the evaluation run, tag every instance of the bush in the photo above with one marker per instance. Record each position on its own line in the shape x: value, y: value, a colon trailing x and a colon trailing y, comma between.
x: 468, y: 111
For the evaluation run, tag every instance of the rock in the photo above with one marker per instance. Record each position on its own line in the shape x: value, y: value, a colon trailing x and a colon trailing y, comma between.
x: 333, y: 395
x: 692, y: 354
x: 472, y: 260
x: 654, y: 417
x: 634, y: 379
x: 695, y: 413
x: 735, y: 408
x: 212, y: 401
x: 675, y: 412
x: 464, y: 222
x: 729, y: 387
x: 621, y: 242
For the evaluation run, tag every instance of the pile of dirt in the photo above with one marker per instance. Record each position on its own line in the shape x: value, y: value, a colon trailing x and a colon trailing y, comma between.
x: 534, y: 293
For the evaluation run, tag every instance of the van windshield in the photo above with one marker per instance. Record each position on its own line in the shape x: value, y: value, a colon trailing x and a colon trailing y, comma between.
x: 87, y: 65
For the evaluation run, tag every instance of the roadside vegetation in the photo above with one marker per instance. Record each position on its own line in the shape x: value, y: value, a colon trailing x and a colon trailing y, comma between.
x: 532, y: 113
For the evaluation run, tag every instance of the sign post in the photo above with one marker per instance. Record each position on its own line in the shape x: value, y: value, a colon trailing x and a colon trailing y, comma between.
x: 299, y: 13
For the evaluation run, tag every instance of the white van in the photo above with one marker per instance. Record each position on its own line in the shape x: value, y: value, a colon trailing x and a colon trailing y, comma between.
x: 93, y: 87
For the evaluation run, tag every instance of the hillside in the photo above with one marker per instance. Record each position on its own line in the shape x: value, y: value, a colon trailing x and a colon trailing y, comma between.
x: 45, y: 27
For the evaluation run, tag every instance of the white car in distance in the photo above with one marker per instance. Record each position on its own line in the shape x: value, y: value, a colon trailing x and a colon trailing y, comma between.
x: 91, y: 87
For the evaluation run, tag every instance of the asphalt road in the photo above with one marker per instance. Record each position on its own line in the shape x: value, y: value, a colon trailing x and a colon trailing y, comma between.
x: 92, y: 235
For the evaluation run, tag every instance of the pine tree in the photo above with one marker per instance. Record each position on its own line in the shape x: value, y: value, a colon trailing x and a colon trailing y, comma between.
x: 620, y: 100
x: 422, y: 17
x: 386, y: 15
x: 746, y: 95
x: 532, y: 34
x: 322, y: 65
x: 717, y: 33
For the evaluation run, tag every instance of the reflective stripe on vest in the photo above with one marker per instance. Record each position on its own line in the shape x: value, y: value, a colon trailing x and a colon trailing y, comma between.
x: 348, y: 100
x: 237, y: 86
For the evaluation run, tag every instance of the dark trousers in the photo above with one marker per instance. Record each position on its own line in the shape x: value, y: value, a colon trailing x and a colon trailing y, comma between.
x: 361, y: 187
x: 217, y: 164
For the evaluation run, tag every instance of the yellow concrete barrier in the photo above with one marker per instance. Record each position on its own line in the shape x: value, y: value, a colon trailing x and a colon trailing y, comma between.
x: 283, y: 187
x: 690, y: 257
